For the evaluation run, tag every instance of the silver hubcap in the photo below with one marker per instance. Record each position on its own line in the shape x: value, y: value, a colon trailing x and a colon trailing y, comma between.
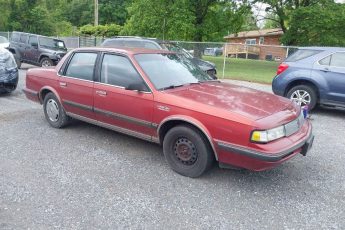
x: 46, y: 63
x: 301, y: 97
x: 52, y: 110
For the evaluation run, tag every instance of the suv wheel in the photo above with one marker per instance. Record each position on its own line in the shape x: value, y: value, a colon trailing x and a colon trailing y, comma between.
x: 303, y: 95
x: 46, y: 62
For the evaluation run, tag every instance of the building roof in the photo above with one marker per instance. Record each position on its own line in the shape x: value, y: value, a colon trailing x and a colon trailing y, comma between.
x: 256, y: 33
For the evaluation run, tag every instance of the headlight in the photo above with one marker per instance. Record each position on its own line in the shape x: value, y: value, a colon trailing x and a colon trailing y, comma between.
x: 268, y: 135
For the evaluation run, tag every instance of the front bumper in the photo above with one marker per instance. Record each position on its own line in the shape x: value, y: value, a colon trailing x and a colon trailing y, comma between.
x: 258, y: 160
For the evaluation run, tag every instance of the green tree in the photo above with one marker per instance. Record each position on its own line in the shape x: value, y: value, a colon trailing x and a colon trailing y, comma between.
x: 317, y: 25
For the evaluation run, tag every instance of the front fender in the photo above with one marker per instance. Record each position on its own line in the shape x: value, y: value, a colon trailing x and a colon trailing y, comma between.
x: 193, y: 122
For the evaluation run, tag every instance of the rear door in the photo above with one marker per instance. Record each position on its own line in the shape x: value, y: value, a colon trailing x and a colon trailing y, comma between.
x: 22, y: 45
x: 76, y: 84
x: 126, y: 111
x: 333, y: 70
x: 31, y: 51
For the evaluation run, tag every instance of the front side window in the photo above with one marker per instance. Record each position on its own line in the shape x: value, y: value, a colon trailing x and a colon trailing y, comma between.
x: 119, y: 71
x: 170, y: 70
x: 82, y: 66
x: 338, y: 60
x: 33, y: 40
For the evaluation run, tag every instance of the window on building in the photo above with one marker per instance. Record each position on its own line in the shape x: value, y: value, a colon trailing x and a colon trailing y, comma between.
x: 251, y: 41
x: 261, y: 40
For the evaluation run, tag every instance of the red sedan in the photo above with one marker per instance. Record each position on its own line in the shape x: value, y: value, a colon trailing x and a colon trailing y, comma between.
x: 160, y: 96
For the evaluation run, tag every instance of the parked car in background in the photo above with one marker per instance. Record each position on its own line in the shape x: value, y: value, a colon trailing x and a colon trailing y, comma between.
x: 8, y: 72
x: 213, y: 51
x: 3, y: 42
x: 153, y: 43
x: 36, y: 49
x: 162, y: 97
x: 312, y: 76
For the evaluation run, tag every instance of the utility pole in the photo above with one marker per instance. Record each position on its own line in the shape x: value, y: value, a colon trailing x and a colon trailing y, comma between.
x: 96, y: 12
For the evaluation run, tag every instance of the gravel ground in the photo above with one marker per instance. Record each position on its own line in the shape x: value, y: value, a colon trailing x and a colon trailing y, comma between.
x: 87, y: 177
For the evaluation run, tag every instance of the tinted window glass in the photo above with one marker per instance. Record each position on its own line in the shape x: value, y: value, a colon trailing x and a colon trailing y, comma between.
x: 23, y: 38
x: 338, y: 60
x: 15, y: 37
x: 118, y: 70
x: 170, y: 70
x: 302, y: 54
x: 81, y: 66
x: 33, y: 40
x: 52, y: 43
x: 325, y: 61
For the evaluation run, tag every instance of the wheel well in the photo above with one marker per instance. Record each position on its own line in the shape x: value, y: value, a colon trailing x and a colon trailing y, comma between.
x: 12, y: 51
x: 43, y: 56
x: 302, y: 82
x: 43, y: 94
x: 173, y: 123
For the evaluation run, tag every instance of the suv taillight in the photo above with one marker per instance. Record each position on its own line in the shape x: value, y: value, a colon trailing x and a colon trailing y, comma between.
x: 281, y: 68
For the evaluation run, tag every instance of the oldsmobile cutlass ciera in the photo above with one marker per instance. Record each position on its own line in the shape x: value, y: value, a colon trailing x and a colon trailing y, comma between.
x: 160, y: 96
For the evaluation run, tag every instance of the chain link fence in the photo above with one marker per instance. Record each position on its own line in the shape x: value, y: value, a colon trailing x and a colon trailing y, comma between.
x: 231, y: 60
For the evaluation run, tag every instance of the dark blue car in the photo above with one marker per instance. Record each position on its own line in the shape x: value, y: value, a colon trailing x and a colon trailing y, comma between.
x: 313, y: 75
x: 8, y: 71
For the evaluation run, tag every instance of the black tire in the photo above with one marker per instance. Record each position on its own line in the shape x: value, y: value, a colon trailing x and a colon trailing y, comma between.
x: 46, y: 62
x: 304, y: 88
x: 187, y: 151
x: 60, y: 119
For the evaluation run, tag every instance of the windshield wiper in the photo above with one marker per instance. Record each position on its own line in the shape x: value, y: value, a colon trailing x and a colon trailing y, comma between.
x: 170, y: 87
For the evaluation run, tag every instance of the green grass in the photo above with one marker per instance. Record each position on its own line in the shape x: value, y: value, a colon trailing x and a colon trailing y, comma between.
x: 245, y: 69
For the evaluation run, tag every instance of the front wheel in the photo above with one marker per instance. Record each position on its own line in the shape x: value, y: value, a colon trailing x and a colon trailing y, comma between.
x: 303, y: 95
x: 53, y: 111
x: 187, y: 151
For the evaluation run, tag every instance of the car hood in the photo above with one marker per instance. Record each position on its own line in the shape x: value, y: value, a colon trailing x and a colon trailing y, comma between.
x: 250, y: 103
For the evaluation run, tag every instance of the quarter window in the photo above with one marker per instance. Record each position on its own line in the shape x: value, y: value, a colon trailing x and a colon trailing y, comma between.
x: 82, y: 66
x: 338, y: 60
x: 118, y: 70
x: 325, y: 61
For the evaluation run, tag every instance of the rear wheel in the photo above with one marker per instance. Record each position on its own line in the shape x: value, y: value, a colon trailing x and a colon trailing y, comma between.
x: 187, y: 151
x: 46, y: 62
x: 303, y: 95
x: 53, y: 111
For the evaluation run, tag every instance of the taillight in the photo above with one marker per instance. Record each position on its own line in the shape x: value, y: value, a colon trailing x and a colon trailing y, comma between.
x: 281, y: 68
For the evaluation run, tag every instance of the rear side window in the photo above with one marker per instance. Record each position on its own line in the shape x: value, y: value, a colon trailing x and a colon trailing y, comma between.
x: 338, y: 60
x: 302, y: 54
x: 23, y: 38
x: 82, y: 66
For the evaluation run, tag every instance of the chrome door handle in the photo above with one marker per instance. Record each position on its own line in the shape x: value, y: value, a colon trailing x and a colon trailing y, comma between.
x: 63, y: 84
x: 101, y: 92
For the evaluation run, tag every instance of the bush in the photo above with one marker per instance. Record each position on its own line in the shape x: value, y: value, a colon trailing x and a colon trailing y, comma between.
x: 101, y: 30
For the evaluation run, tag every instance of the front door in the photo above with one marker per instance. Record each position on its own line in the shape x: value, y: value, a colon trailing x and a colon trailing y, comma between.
x: 126, y: 111
x: 76, y: 84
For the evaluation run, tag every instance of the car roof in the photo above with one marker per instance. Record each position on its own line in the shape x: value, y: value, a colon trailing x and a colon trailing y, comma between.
x: 137, y: 38
x: 323, y: 48
x: 126, y: 50
x: 42, y: 36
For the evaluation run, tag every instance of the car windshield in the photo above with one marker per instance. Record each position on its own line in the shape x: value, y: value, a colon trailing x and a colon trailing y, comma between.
x: 170, y: 70
x: 3, y: 39
x: 52, y: 43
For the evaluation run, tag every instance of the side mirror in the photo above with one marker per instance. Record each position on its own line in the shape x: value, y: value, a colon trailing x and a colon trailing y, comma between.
x: 34, y: 45
x: 137, y: 86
